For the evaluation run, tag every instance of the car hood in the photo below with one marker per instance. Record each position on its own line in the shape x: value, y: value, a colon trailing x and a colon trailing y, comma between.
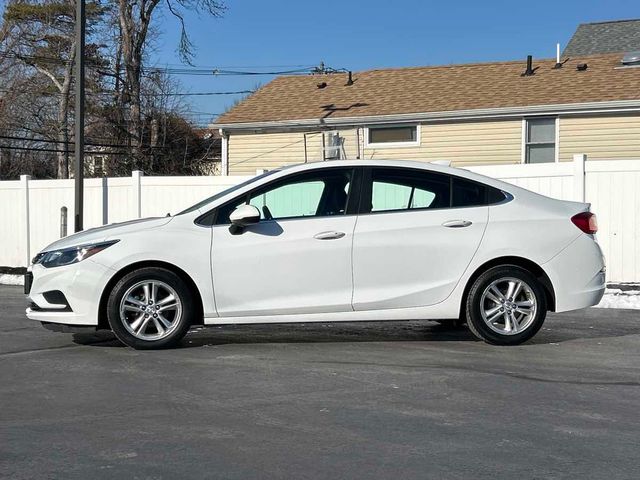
x: 106, y: 232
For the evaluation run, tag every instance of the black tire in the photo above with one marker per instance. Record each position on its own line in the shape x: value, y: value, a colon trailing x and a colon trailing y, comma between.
x: 180, y: 324
x: 473, y: 306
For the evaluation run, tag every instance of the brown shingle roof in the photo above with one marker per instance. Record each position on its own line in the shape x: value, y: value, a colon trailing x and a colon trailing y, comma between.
x: 438, y: 89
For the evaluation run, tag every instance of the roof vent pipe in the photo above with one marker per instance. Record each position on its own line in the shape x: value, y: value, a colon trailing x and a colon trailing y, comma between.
x: 529, y: 71
x: 350, y: 80
x: 558, y: 62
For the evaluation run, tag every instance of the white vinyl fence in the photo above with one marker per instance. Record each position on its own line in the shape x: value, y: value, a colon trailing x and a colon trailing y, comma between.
x: 30, y: 209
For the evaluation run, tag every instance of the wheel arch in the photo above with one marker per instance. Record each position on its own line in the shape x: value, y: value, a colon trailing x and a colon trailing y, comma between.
x: 522, y: 262
x: 103, y: 323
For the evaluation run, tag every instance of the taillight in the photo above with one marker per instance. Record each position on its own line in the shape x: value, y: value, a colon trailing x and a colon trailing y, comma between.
x: 586, y: 221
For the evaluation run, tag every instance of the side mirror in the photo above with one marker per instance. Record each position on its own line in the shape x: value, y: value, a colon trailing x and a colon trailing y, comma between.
x: 244, y: 215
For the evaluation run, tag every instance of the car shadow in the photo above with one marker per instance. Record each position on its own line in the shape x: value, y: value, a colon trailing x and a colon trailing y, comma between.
x: 558, y: 328
x: 343, y: 332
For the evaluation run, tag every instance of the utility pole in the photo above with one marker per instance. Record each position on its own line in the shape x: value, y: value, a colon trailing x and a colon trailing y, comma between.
x: 79, y: 114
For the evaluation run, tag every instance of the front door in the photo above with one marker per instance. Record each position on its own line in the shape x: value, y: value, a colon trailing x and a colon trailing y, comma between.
x: 297, y: 259
x: 416, y: 236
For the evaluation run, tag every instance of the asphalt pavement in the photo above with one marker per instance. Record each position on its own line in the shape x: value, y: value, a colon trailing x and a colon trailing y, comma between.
x: 386, y: 400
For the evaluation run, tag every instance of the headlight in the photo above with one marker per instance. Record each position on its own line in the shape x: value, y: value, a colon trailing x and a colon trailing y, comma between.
x: 68, y: 256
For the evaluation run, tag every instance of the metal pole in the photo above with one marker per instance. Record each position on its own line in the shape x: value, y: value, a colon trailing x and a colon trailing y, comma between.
x: 79, y: 114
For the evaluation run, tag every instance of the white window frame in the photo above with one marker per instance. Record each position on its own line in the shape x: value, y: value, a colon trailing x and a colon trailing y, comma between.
x: 414, y: 143
x: 523, y: 152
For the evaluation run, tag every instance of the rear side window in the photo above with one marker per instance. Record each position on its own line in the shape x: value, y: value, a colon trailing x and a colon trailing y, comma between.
x: 394, y: 189
x: 495, y: 196
x: 467, y: 194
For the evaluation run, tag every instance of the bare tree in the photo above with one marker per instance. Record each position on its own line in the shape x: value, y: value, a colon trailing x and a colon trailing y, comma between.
x: 41, y: 35
x: 135, y: 18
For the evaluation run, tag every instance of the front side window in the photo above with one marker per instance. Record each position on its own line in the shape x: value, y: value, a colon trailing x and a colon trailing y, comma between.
x: 313, y: 194
x: 540, y: 140
x: 293, y: 200
x: 392, y: 135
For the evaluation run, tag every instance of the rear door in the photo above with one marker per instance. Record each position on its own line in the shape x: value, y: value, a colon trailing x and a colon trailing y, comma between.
x: 416, y: 234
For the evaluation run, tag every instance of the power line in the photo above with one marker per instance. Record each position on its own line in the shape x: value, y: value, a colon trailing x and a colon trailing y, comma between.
x: 239, y: 92
x: 91, y: 144
x: 144, y: 94
x: 216, y: 71
x: 45, y: 140
x: 35, y: 149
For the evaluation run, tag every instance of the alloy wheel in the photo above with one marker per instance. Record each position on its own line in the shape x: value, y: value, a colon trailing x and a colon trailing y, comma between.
x: 150, y: 310
x: 508, y: 306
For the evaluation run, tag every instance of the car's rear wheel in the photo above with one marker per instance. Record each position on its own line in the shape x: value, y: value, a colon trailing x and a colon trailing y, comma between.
x: 506, y: 305
x: 150, y: 308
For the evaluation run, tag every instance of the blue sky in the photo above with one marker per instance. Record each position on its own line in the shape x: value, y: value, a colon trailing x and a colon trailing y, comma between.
x: 363, y: 34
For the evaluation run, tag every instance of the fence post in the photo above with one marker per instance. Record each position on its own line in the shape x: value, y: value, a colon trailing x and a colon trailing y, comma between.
x: 136, y: 178
x: 105, y: 200
x: 578, y: 177
x: 63, y: 222
x: 24, y: 183
x: 225, y: 153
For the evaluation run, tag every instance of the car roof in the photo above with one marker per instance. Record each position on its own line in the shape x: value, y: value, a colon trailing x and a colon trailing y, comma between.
x: 282, y: 172
x: 411, y: 164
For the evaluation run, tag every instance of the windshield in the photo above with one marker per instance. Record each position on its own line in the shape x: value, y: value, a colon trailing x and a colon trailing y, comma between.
x: 218, y: 195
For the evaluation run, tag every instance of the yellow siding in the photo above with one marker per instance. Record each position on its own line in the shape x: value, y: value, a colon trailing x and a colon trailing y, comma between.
x: 469, y: 143
x: 462, y: 143
x: 465, y: 143
x: 601, y: 138
x: 251, y: 152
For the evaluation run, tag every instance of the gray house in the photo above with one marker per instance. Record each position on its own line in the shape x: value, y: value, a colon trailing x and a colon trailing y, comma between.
x: 604, y: 37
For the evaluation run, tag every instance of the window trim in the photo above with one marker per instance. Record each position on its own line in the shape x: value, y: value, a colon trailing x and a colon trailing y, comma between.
x: 361, y: 188
x: 523, y: 156
x: 414, y: 143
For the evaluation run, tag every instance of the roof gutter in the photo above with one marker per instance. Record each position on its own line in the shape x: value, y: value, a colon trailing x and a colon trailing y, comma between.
x: 452, y: 115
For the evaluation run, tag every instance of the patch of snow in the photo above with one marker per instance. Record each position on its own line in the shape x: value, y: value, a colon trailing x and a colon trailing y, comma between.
x: 6, y: 279
x: 618, y: 298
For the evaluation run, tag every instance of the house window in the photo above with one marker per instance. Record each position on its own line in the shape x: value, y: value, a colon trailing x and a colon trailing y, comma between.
x: 540, y: 140
x: 392, y: 136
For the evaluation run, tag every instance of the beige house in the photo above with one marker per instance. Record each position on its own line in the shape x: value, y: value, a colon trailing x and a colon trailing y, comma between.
x: 471, y: 114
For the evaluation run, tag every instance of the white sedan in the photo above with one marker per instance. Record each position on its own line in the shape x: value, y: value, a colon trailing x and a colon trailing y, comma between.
x: 331, y: 241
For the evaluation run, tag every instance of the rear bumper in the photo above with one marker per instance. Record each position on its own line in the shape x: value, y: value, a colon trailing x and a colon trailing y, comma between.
x: 577, y: 274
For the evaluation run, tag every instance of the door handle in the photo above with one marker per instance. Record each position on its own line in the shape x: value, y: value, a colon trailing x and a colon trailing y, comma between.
x: 330, y: 235
x: 456, y: 223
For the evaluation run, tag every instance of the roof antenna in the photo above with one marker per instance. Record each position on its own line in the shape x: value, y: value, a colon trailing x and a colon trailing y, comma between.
x: 530, y: 70
x: 319, y: 70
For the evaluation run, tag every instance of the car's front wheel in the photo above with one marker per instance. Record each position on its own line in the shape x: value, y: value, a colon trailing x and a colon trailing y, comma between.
x: 150, y: 308
x: 506, y: 305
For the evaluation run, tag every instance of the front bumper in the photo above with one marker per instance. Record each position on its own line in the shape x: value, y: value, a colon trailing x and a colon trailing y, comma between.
x: 80, y: 284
